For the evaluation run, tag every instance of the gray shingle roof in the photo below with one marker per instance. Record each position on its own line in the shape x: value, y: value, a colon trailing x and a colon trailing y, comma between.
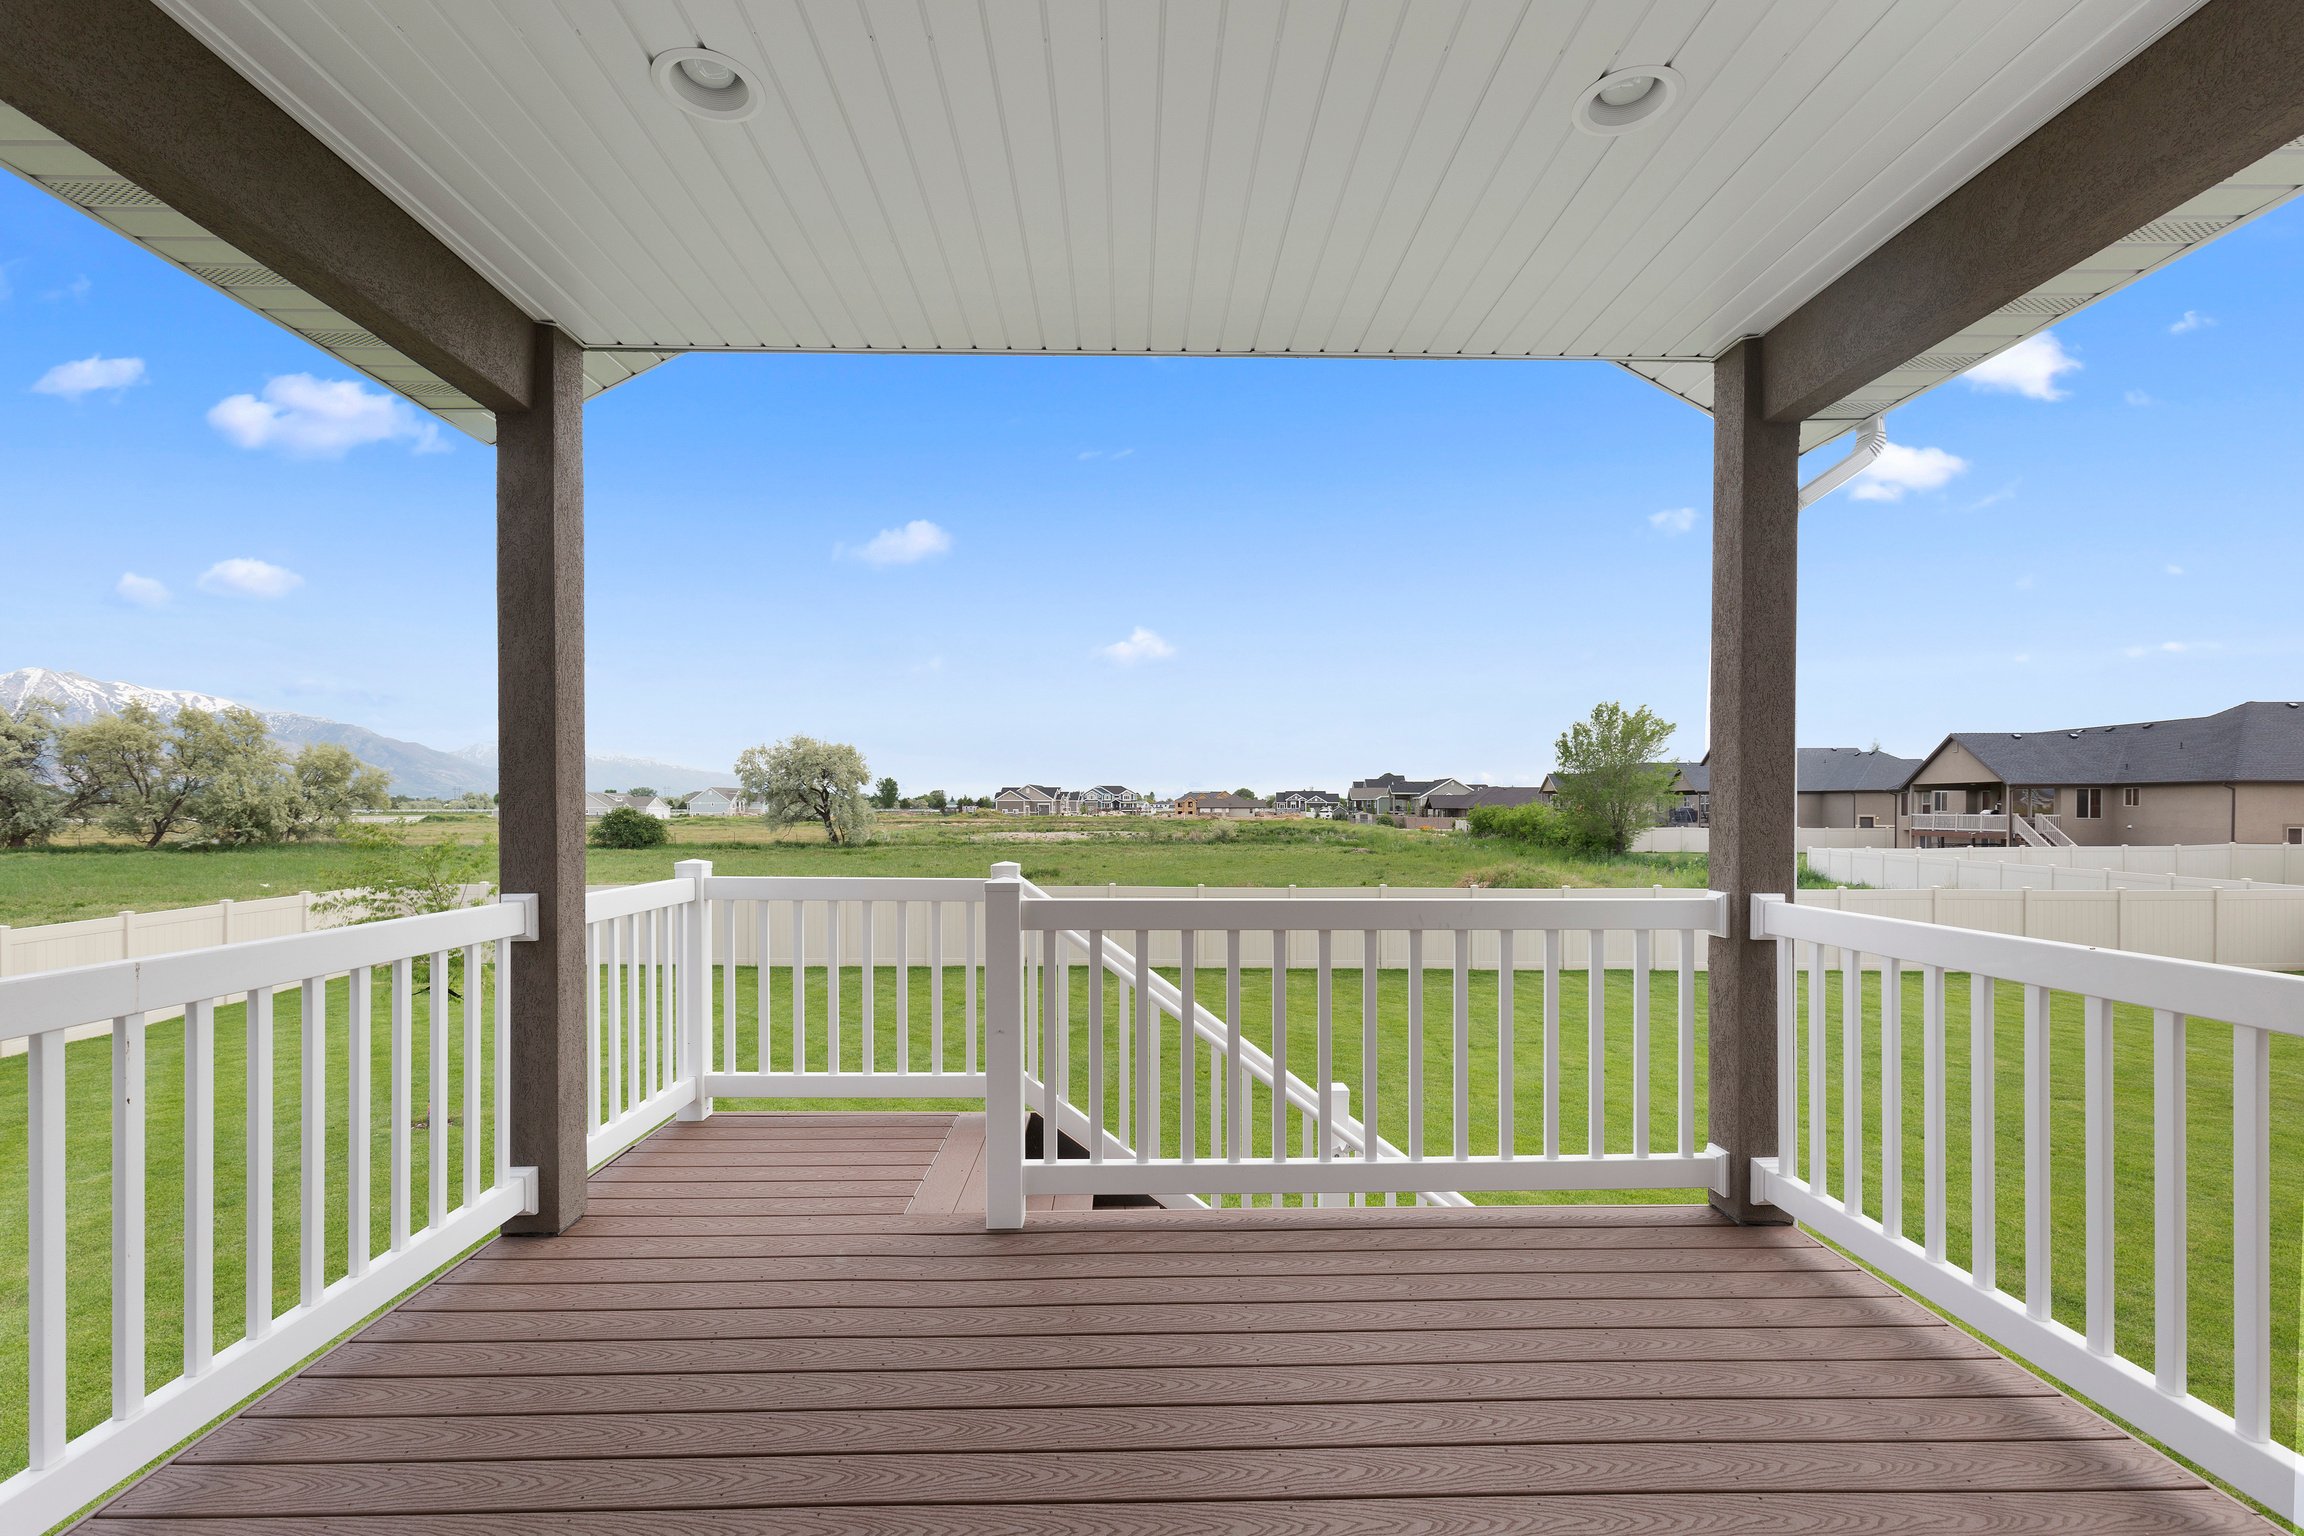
x: 2254, y: 743
x: 1835, y: 770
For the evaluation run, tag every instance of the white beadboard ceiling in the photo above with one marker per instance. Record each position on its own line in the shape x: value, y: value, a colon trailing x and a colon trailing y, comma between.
x: 49, y: 163
x: 1353, y: 178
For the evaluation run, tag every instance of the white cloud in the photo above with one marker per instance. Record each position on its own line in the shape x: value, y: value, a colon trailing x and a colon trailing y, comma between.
x: 90, y: 374
x: 2029, y: 368
x: 2024, y: 583
x: 1098, y: 453
x: 916, y: 541
x: 2137, y: 397
x: 2175, y: 570
x: 309, y: 418
x: 2164, y: 648
x: 1674, y: 520
x: 76, y: 289
x: 143, y: 591
x: 2193, y: 320
x: 244, y: 577
x: 1902, y: 468
x: 1141, y: 645
x: 1994, y: 498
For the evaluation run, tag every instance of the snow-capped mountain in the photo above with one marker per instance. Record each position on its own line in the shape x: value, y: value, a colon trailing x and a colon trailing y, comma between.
x: 416, y: 769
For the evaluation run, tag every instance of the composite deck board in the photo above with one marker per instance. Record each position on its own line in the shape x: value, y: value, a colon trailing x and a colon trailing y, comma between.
x: 1403, y: 1313
x: 1210, y: 1295
x: 1051, y: 1431
x: 795, y: 1323
x: 1928, y: 1512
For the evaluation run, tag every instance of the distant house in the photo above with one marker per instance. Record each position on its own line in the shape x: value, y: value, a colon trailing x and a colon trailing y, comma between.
x: 1691, y: 793
x: 1027, y: 800
x: 1850, y: 786
x: 1209, y: 802
x: 599, y: 802
x: 1111, y: 799
x: 1458, y: 804
x: 1316, y: 803
x: 2234, y: 776
x: 720, y: 800
x: 1388, y: 794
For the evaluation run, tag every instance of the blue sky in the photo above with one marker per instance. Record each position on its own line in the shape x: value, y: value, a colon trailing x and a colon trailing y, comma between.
x: 1168, y: 573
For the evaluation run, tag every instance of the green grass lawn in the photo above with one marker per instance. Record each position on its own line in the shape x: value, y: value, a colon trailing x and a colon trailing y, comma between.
x: 85, y: 878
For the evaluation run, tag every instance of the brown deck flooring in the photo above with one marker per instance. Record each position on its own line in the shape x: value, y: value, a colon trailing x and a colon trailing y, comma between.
x: 778, y: 1323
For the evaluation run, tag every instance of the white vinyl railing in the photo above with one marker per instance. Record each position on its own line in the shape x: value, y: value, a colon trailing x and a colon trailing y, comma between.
x: 436, y: 986
x: 828, y: 987
x: 1032, y: 939
x: 1986, y: 823
x: 1824, y: 1129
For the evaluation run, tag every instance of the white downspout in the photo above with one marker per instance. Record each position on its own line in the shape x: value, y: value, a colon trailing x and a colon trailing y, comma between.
x: 1870, y: 439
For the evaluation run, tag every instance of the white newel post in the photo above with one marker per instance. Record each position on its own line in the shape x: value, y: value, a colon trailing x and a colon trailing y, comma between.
x: 695, y: 992
x: 1004, y: 1049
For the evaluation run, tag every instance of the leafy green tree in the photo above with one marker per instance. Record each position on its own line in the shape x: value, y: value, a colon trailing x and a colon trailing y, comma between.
x: 246, y: 795
x: 328, y: 784
x: 884, y: 795
x: 147, y: 779
x: 642, y: 792
x: 31, y: 809
x: 625, y: 827
x: 1613, y: 784
x: 804, y: 779
x: 934, y: 800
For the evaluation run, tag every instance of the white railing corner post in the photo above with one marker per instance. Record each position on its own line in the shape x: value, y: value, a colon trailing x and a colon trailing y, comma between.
x: 1339, y: 1116
x: 1004, y: 1049
x: 695, y: 984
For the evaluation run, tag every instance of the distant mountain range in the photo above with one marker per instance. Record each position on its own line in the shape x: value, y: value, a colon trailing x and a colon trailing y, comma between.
x: 416, y: 769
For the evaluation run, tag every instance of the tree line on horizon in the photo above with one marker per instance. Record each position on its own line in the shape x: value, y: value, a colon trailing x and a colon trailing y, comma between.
x: 217, y: 778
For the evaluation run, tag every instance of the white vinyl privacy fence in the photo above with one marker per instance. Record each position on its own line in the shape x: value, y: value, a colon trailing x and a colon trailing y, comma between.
x: 2187, y: 917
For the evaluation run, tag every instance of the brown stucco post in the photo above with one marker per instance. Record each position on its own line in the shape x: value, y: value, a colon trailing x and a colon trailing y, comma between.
x: 1755, y: 593
x: 540, y: 745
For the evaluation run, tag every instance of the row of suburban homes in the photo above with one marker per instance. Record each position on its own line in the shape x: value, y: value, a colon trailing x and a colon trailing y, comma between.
x: 2235, y: 776
x: 1119, y: 800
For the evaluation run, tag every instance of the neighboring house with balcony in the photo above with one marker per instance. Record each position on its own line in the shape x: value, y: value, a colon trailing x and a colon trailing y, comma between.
x: 1690, y: 794
x: 1111, y: 800
x: 1319, y: 804
x: 1029, y: 800
x: 721, y: 800
x: 2236, y: 776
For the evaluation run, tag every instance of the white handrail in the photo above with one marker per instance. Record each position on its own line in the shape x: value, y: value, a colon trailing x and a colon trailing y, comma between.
x: 1086, y: 924
x: 2236, y: 1446
x: 67, y: 1471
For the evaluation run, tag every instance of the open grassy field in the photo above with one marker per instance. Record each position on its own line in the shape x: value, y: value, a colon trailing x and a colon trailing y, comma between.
x: 93, y: 877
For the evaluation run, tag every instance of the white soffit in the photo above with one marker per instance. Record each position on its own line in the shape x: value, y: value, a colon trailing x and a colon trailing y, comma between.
x: 49, y: 163
x: 2260, y: 188
x: 1388, y: 178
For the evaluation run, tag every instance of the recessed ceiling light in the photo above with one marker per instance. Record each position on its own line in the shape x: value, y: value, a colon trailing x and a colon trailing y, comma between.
x: 705, y: 84
x: 1623, y: 100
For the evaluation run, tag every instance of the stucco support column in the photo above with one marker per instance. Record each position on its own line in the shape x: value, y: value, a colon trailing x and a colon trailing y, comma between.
x: 1755, y: 595
x: 540, y: 745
